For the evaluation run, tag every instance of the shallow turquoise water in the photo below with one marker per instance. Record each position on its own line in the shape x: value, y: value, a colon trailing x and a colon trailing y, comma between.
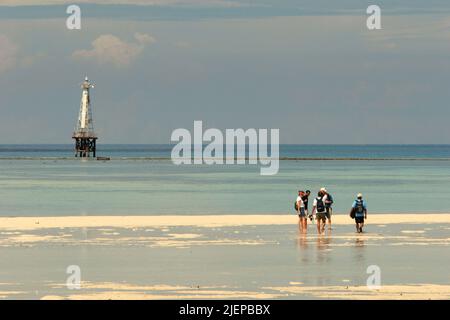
x: 139, y: 187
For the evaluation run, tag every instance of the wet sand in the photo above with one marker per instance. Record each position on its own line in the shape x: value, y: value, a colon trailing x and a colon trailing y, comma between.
x: 117, y: 291
x: 224, y: 257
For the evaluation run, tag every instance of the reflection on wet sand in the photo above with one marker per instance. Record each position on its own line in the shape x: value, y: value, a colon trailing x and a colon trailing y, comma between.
x: 304, y: 264
x: 302, y: 241
x: 359, y: 250
x: 323, y: 257
x: 323, y: 243
x: 359, y: 242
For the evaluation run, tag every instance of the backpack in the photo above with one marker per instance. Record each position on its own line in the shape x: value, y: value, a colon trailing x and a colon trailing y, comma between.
x: 320, y: 207
x: 359, y: 208
x: 295, y: 206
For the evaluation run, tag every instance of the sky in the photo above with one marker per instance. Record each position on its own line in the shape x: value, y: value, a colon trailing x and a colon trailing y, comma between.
x: 309, y: 68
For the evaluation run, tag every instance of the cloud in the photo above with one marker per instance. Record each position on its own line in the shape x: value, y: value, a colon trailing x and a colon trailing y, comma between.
x: 144, y: 38
x: 109, y: 49
x: 8, y: 54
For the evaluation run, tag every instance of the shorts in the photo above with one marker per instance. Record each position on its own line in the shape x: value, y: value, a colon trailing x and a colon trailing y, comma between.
x: 302, y: 213
x: 329, y: 212
x: 321, y: 215
x: 359, y: 219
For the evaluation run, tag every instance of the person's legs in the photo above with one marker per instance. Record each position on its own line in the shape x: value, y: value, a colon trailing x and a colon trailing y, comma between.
x: 324, y: 222
x: 304, y: 225
x: 321, y: 219
x: 359, y: 224
x: 318, y: 225
x: 306, y: 218
x: 329, y: 213
x: 302, y: 218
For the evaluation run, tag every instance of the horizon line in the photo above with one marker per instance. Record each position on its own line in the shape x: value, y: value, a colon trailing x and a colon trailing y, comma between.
x: 281, y: 144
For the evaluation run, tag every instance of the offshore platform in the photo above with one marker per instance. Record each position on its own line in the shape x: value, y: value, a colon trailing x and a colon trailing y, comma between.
x: 84, y: 135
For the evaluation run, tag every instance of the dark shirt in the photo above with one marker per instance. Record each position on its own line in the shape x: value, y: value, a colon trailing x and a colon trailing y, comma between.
x: 305, y: 201
x: 329, y: 201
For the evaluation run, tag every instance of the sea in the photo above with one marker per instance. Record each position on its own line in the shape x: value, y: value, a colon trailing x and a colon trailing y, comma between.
x: 225, y: 262
x: 47, y: 180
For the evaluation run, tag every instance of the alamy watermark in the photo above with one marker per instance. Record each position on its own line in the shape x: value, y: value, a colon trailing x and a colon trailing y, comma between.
x: 73, y: 281
x: 241, y: 146
x: 374, y: 280
x: 73, y: 22
x: 374, y: 20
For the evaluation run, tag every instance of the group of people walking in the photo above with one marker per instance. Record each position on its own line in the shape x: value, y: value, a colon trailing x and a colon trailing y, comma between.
x: 322, y: 209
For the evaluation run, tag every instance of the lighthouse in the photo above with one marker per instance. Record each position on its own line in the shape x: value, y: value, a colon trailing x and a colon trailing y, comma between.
x: 84, y: 136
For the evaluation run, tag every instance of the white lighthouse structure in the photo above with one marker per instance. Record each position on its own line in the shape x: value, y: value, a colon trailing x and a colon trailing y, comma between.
x: 84, y: 135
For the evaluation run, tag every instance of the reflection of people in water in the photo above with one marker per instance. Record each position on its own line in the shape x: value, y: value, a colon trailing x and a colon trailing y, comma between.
x: 359, y: 242
x: 359, y: 250
x: 302, y: 247
x: 302, y: 241
x: 323, y: 242
x: 323, y: 248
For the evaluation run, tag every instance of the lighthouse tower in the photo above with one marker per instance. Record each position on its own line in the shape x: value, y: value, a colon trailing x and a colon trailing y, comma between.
x: 85, y: 138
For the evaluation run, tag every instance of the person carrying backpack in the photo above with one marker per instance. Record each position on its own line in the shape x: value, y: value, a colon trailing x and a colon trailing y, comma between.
x: 328, y: 199
x: 320, y: 210
x: 359, y: 211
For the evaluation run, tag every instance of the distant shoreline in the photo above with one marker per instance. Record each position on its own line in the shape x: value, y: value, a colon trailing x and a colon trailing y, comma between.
x: 287, y: 152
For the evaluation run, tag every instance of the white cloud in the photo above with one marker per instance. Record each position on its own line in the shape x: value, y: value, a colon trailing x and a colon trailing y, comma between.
x: 8, y: 54
x: 109, y: 49
x: 144, y: 38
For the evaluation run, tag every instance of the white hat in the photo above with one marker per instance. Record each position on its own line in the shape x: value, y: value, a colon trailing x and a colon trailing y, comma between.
x: 323, y: 189
x: 359, y: 195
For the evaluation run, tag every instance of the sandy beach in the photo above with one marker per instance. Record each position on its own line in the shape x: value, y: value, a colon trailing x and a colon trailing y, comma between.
x: 224, y: 257
x: 35, y: 223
